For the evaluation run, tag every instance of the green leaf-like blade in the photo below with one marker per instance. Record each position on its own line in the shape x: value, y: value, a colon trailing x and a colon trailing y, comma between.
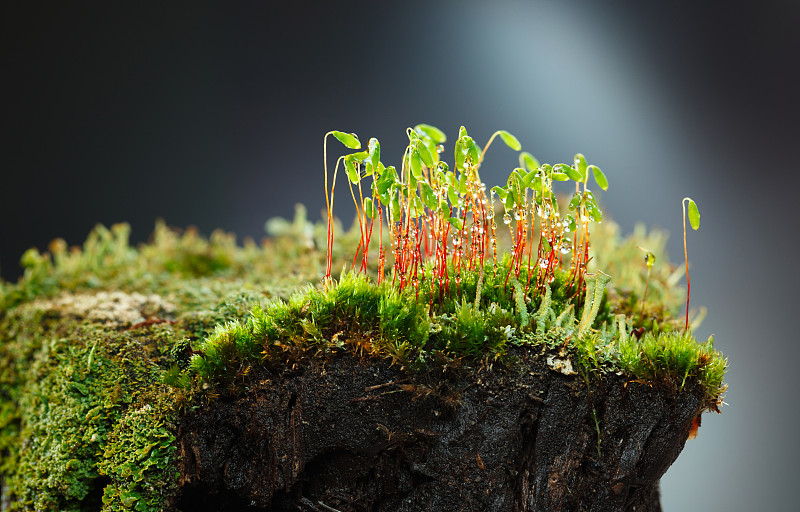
x: 351, y: 168
x: 425, y: 154
x: 528, y: 161
x: 384, y: 182
x: 369, y: 208
x: 694, y: 214
x: 510, y: 140
x: 434, y: 133
x: 580, y: 166
x: 373, y: 155
x: 575, y: 201
x: 599, y: 177
x: 501, y: 192
x: 415, y: 162
x: 569, y: 171
x: 528, y: 179
x: 472, y: 150
x: 452, y: 194
x: 348, y: 139
x: 460, y: 156
x: 394, y: 206
x: 427, y: 195
x: 457, y: 222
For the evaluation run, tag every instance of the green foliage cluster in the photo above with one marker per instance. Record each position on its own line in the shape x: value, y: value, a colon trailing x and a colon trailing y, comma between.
x: 82, y: 403
x: 107, y: 261
x: 140, y: 458
x: 674, y: 356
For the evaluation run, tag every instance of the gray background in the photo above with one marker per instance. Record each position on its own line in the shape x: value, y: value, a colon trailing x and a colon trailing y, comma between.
x: 213, y: 115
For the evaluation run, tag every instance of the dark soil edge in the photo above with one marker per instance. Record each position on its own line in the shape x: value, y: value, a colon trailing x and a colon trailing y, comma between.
x: 356, y: 434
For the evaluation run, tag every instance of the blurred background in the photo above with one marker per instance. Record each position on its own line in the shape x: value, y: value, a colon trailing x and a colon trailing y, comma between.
x: 213, y: 115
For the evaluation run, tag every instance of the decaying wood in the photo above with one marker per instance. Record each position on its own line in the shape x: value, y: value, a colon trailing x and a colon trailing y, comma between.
x: 354, y: 434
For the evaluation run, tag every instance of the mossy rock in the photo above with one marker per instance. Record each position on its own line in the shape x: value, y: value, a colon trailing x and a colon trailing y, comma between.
x: 194, y: 374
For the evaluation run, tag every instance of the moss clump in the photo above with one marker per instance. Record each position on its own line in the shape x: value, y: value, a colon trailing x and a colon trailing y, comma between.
x: 675, y: 357
x: 75, y: 384
x: 355, y: 313
x: 90, y: 397
x: 93, y: 381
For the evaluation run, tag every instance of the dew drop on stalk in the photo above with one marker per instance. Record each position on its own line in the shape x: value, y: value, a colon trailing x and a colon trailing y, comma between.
x: 566, y: 249
x: 517, y: 216
x: 440, y: 148
x: 506, y: 218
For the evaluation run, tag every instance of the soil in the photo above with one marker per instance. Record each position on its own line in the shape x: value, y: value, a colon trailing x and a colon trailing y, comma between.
x: 352, y: 433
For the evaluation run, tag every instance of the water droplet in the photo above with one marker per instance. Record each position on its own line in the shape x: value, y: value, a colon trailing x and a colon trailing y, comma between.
x: 517, y: 216
x: 551, y: 279
x: 440, y: 148
x: 506, y: 219
x: 566, y: 249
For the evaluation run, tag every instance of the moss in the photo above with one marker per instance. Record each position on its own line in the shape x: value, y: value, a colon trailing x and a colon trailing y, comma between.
x: 675, y: 357
x: 140, y: 457
x: 75, y: 396
x: 95, y: 381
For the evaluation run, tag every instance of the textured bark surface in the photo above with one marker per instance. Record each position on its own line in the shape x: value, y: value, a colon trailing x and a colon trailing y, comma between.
x: 355, y: 434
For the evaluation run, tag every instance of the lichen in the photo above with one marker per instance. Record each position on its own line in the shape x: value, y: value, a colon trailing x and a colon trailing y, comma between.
x: 110, y: 308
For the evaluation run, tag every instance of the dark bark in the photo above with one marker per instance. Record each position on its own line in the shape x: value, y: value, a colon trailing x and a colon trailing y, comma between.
x: 354, y: 434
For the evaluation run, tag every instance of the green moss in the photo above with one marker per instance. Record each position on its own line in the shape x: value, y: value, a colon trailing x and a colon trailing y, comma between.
x: 140, y: 457
x: 88, y: 406
x: 675, y: 357
x: 386, y: 322
x: 71, y: 398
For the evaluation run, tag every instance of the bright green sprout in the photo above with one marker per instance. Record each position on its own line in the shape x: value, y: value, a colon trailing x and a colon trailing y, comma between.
x: 694, y: 220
